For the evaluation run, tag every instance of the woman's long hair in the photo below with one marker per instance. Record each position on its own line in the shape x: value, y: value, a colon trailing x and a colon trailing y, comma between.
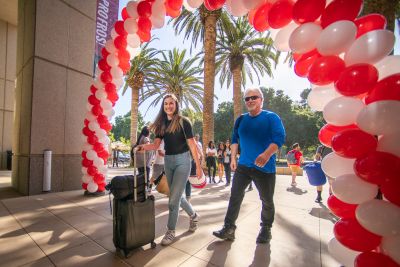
x: 159, y: 125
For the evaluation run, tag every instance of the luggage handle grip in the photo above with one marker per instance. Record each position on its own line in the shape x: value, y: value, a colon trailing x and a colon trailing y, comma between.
x: 135, y: 176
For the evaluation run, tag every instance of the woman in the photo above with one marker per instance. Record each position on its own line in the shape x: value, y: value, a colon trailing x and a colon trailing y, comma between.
x: 177, y: 160
x: 211, y: 152
x: 220, y: 159
x: 227, y: 162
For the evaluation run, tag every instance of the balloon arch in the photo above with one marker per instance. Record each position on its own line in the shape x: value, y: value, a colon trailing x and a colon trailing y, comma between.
x: 355, y: 84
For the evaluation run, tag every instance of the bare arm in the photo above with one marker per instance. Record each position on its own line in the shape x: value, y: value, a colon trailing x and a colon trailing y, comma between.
x: 234, y: 150
x: 150, y: 146
x: 263, y: 158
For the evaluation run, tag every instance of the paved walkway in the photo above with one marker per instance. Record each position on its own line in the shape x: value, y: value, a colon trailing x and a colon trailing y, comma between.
x: 69, y: 229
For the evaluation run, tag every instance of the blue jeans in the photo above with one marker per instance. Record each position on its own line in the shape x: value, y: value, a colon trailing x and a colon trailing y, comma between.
x: 177, y: 169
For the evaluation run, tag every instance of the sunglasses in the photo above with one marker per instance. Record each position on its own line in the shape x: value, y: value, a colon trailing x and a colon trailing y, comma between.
x: 253, y: 97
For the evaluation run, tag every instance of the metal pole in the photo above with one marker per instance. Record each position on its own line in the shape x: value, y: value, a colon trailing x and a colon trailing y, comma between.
x: 47, y: 170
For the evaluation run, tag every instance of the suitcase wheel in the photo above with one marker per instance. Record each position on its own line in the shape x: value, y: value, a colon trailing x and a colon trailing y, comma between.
x: 153, y: 244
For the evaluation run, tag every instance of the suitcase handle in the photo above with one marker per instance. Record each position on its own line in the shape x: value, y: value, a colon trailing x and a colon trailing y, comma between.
x: 135, y: 176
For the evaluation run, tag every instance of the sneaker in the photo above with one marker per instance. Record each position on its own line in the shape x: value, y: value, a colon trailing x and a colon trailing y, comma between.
x: 293, y: 184
x: 227, y: 233
x: 168, y: 238
x: 264, y: 236
x: 194, y: 222
x: 318, y: 200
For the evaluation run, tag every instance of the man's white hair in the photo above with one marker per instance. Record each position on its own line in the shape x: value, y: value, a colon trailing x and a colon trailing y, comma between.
x: 258, y: 90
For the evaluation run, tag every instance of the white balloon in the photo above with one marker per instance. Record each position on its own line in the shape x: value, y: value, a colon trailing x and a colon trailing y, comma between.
x: 98, y: 162
x: 195, y: 3
x: 388, y: 66
x: 320, y: 96
x: 130, y: 25
x: 188, y: 7
x: 304, y: 38
x: 388, y: 223
x: 131, y: 8
x: 89, y: 116
x: 381, y: 117
x: 370, y: 47
x: 336, y: 38
x: 92, y: 187
x: 158, y: 9
x: 113, y: 34
x: 273, y: 33
x: 157, y: 21
x: 112, y: 60
x: 236, y: 8
x: 87, y: 179
x: 98, y: 83
x: 342, y: 110
x: 251, y: 4
x: 105, y: 140
x: 93, y: 125
x: 84, y: 170
x: 91, y: 154
x: 101, y: 133
x: 333, y: 165
x: 103, y: 170
x: 110, y: 47
x: 88, y: 106
x: 118, y: 82
x: 281, y: 41
x: 101, y: 94
x: 351, y: 189
x: 390, y: 246
x: 105, y: 104
x: 109, y: 113
x: 116, y: 72
x: 389, y: 143
x: 86, y: 146
x: 341, y: 253
x: 133, y: 40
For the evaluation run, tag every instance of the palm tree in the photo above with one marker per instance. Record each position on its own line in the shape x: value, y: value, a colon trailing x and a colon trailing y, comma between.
x: 178, y: 75
x: 138, y: 77
x: 241, y: 52
x: 202, y: 25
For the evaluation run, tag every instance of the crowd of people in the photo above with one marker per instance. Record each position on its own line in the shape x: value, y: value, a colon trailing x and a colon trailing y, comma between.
x: 178, y: 153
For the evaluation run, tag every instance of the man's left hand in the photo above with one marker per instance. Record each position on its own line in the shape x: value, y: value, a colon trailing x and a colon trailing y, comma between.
x: 261, y: 160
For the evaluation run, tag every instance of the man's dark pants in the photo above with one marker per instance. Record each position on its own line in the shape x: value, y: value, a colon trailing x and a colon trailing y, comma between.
x: 265, y: 184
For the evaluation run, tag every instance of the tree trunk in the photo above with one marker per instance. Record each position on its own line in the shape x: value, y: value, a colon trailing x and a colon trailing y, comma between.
x: 210, y: 36
x: 134, y: 114
x: 386, y: 8
x: 237, y: 92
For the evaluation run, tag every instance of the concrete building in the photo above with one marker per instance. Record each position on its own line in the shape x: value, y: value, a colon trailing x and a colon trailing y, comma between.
x: 46, y: 64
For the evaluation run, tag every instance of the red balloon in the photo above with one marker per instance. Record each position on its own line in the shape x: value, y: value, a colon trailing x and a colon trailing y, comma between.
x: 353, y: 143
x: 106, y: 77
x: 87, y: 132
x: 173, y: 13
x: 98, y: 147
x: 113, y: 97
x: 369, y: 23
x: 104, y: 155
x: 124, y: 14
x: 101, y: 187
x: 93, y: 100
x: 104, y: 52
x: 144, y: 9
x: 84, y: 186
x: 391, y: 190
x: 326, y: 70
x: 93, y: 89
x: 374, y: 259
x: 213, y: 4
x: 83, y: 154
x: 97, y: 110
x: 352, y: 235
x: 98, y: 178
x: 102, y: 119
x: 340, y: 208
x: 377, y: 167
x: 92, y: 170
x: 340, y: 10
x: 120, y: 42
x: 304, y: 63
x: 308, y: 10
x: 260, y: 21
x: 328, y: 131
x: 175, y: 4
x: 123, y: 55
x: 357, y: 79
x: 92, y: 139
x: 386, y: 89
x: 103, y: 65
x: 87, y: 163
x: 86, y: 122
x: 250, y: 16
x: 119, y: 27
x: 106, y: 126
x: 110, y: 87
x: 280, y: 14
x: 144, y: 24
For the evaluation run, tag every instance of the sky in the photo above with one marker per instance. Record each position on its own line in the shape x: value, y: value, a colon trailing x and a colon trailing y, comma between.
x: 284, y: 77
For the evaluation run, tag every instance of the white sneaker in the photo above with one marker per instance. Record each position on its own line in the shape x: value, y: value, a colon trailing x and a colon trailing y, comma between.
x: 293, y: 184
x: 194, y: 222
x: 168, y: 238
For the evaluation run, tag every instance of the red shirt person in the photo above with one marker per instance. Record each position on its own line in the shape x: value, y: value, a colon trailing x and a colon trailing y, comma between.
x: 294, y: 160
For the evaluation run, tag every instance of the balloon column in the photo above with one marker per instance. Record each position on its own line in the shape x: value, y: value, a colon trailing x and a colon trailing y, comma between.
x: 356, y: 84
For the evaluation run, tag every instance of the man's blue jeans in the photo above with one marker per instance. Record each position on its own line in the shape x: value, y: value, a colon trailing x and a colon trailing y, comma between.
x: 177, y: 169
x: 265, y: 184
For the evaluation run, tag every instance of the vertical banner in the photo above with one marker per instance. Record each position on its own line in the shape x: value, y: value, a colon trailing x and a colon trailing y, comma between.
x: 106, y: 16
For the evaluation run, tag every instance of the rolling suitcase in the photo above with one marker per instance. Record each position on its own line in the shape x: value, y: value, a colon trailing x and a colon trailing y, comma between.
x: 134, y: 220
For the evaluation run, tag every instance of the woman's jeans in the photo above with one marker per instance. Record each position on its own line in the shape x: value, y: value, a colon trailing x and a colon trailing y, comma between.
x: 227, y: 168
x: 265, y: 184
x: 177, y: 169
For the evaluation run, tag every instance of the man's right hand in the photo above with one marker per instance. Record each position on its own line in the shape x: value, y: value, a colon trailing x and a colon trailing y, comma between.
x: 233, y: 165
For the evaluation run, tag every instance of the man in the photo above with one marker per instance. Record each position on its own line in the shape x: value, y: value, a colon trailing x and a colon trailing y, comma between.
x: 260, y: 134
x: 321, y: 152
x: 294, y: 160
x: 115, y: 156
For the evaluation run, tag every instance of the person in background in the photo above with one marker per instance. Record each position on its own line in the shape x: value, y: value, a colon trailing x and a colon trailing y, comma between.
x: 294, y: 160
x: 227, y: 162
x: 211, y: 152
x: 141, y: 164
x: 115, y: 156
x: 177, y: 133
x: 220, y: 160
x: 260, y: 134
x: 320, y: 154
